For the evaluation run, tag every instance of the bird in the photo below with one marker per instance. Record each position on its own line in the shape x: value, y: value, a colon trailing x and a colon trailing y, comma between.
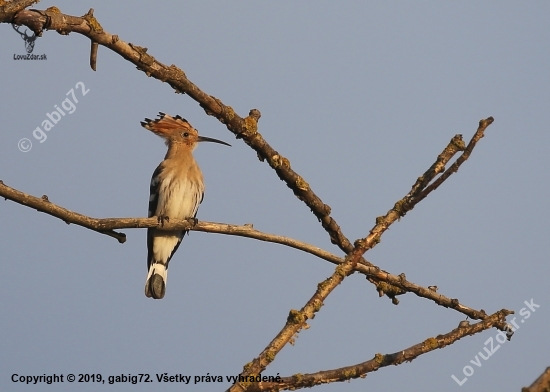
x: 176, y: 191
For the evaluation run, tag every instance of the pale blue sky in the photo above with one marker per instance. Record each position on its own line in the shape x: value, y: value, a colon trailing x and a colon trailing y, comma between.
x: 361, y: 98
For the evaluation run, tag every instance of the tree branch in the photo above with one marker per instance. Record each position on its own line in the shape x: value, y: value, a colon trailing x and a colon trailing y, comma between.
x: 361, y: 370
x: 297, y: 319
x: 483, y: 124
x: 247, y: 129
x: 9, y: 9
x: 384, y: 281
x: 44, y: 205
x: 244, y: 128
x: 541, y: 384
x: 421, y: 189
x: 107, y: 225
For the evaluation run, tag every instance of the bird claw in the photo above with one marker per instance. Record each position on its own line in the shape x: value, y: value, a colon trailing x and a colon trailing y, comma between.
x: 162, y: 219
x: 193, y: 221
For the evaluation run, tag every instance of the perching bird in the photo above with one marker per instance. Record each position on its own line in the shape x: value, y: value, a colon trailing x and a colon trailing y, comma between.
x: 177, y: 189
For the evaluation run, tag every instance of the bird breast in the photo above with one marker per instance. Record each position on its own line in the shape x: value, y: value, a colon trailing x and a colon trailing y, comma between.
x: 180, y: 193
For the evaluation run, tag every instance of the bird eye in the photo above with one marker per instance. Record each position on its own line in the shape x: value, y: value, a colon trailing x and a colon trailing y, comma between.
x: 185, y: 134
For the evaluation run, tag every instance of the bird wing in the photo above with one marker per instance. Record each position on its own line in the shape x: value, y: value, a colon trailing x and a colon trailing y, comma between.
x: 153, y: 202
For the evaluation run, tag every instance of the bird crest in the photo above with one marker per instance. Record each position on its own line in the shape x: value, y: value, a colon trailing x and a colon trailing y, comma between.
x: 176, y: 130
x: 172, y: 129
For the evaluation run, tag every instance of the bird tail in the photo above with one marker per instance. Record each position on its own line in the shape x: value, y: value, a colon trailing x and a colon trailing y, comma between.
x: 155, y: 285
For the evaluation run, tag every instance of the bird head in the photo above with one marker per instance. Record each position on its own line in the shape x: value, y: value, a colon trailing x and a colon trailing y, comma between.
x: 177, y: 130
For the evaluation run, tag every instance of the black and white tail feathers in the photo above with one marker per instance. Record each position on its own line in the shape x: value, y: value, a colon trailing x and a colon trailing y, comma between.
x: 155, y: 286
x: 157, y: 262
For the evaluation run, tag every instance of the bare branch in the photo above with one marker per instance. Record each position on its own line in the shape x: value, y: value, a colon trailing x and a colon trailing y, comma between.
x: 9, y: 9
x: 93, y: 48
x: 483, y: 124
x: 455, y: 145
x: 361, y: 370
x: 418, y: 192
x: 244, y: 128
x: 107, y: 225
x: 400, y: 282
x: 93, y: 55
x: 420, y: 189
x: 44, y: 205
x: 247, y: 129
x: 541, y: 384
x: 385, y: 281
x: 297, y: 319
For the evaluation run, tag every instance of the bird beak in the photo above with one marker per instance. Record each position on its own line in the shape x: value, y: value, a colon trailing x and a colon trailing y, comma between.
x: 209, y: 139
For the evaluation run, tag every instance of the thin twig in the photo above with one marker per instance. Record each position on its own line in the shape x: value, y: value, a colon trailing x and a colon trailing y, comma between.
x: 94, y: 46
x: 483, y: 124
x: 93, y: 55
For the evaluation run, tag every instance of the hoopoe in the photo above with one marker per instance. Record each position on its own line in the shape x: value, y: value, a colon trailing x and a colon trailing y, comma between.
x: 177, y: 189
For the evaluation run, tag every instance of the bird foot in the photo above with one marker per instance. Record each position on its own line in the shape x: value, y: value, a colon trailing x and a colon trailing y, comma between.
x: 162, y: 219
x: 193, y: 221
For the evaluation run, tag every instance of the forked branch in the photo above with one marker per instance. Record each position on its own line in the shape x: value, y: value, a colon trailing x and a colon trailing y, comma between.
x: 297, y: 319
